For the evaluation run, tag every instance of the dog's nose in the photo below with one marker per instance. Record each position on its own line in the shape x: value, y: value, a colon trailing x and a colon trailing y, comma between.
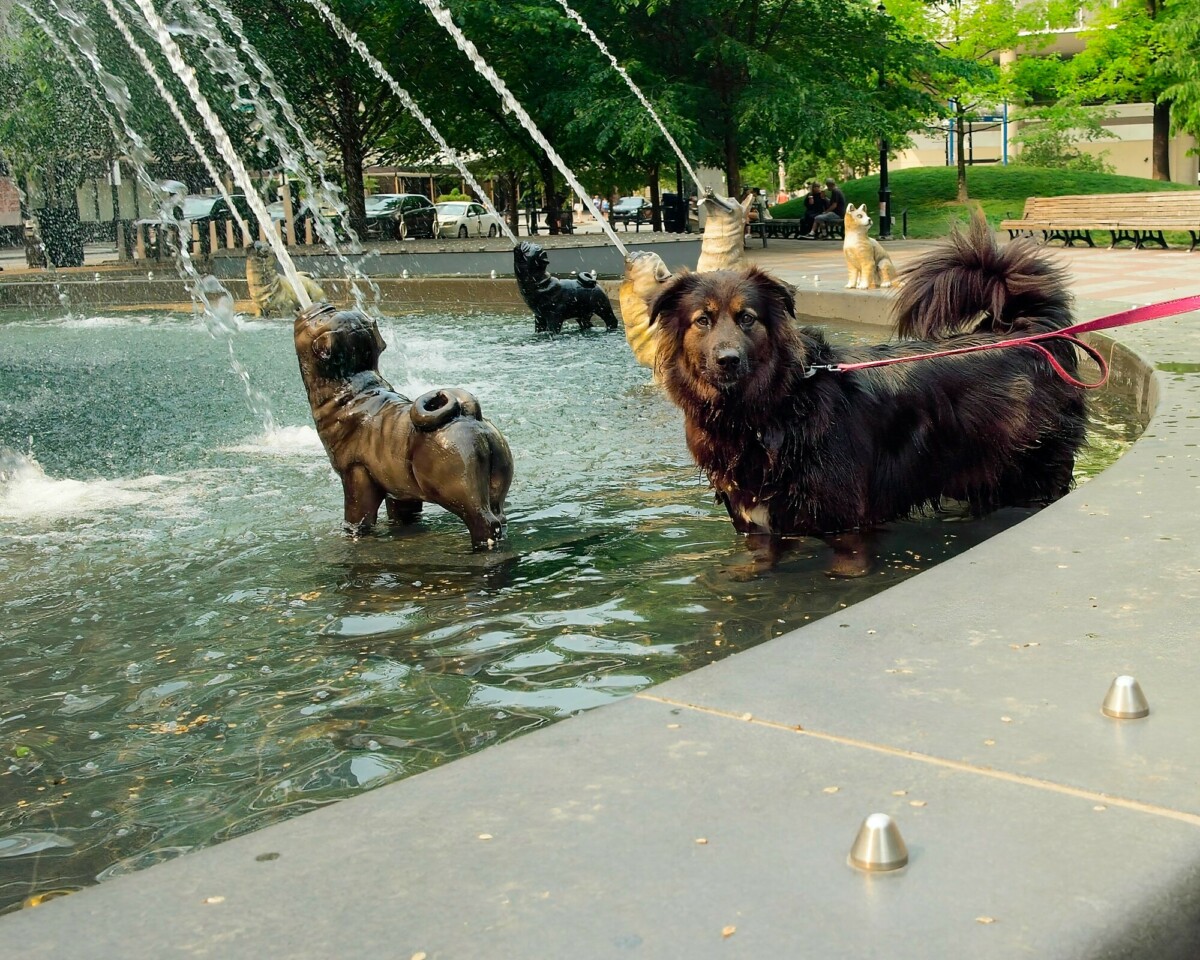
x: 728, y: 359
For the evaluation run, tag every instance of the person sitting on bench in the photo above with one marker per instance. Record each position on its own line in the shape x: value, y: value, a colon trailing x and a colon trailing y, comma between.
x: 834, y: 213
x: 814, y: 203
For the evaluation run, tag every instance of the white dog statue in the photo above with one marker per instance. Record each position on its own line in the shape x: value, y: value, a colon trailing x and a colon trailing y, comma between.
x: 867, y: 262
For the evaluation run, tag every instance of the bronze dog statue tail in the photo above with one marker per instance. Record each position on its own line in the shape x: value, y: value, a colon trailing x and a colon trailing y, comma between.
x: 972, y: 283
x: 438, y: 407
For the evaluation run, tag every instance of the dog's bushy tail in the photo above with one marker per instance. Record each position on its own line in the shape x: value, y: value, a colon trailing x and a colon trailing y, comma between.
x: 972, y: 283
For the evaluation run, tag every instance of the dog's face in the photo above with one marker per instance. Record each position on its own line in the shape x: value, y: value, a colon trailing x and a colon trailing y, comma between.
x: 530, y: 259
x: 335, y: 345
x: 724, y: 334
x: 857, y: 219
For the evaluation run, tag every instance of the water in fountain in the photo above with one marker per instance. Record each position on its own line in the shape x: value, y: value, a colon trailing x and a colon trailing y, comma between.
x: 637, y: 92
x: 217, y: 304
x: 442, y: 15
x: 340, y: 28
x: 217, y: 130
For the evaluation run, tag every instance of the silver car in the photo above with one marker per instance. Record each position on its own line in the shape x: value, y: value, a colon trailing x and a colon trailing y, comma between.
x: 465, y: 218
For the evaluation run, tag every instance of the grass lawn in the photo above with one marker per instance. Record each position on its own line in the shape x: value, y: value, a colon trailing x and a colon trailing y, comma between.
x: 929, y: 192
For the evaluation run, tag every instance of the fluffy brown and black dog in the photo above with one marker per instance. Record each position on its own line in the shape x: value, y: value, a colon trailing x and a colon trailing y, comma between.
x: 436, y: 449
x: 790, y: 449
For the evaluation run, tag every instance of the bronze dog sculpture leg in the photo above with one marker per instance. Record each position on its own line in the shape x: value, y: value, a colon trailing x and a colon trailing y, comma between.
x: 437, y: 449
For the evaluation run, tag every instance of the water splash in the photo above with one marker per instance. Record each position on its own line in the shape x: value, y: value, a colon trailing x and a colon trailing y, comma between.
x: 166, y: 94
x: 636, y: 92
x: 315, y: 196
x: 348, y: 35
x: 216, y: 303
x: 442, y: 15
x: 188, y: 77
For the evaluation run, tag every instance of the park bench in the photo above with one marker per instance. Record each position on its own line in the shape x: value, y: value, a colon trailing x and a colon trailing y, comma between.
x: 788, y: 228
x: 1139, y: 218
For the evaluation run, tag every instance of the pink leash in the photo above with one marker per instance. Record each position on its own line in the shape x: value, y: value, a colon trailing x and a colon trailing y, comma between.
x: 1153, y: 311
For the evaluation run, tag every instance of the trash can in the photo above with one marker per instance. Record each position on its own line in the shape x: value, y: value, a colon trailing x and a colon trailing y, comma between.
x: 674, y: 213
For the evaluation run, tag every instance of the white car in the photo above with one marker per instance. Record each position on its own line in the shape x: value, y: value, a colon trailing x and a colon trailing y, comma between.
x: 464, y: 218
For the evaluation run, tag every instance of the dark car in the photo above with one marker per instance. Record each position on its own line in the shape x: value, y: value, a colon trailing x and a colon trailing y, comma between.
x: 629, y: 210
x: 398, y: 216
x: 198, y: 211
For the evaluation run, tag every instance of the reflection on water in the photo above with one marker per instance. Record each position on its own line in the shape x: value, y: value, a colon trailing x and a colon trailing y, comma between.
x: 191, y: 649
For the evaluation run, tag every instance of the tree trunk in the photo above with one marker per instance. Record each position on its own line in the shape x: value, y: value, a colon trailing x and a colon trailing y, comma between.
x: 1162, y: 142
x: 733, y: 176
x: 655, y: 206
x: 960, y: 135
x: 512, y: 181
x: 350, y: 140
x: 553, y: 216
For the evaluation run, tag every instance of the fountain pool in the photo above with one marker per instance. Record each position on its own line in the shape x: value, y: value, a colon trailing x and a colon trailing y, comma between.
x: 190, y: 647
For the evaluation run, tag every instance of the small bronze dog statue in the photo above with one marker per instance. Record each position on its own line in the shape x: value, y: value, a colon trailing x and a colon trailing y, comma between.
x: 552, y: 300
x: 436, y: 449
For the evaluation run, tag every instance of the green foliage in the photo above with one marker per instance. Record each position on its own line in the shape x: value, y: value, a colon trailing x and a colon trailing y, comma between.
x: 1179, y: 65
x: 453, y: 195
x: 1050, y: 137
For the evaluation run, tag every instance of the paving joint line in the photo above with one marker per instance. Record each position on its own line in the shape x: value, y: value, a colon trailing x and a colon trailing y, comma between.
x: 959, y: 766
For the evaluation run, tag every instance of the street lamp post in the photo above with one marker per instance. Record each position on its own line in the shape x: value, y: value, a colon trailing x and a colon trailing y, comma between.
x: 885, y: 195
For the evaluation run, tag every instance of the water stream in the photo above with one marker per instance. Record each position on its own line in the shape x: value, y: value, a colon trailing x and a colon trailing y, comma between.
x: 700, y: 189
x: 442, y: 15
x: 173, y: 105
x: 351, y: 39
x: 216, y: 129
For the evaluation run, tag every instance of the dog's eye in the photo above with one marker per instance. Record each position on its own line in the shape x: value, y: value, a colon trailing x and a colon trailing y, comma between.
x: 746, y: 320
x: 703, y: 320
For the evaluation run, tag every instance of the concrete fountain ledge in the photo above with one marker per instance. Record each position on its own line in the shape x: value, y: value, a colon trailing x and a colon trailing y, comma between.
x: 712, y: 816
x: 471, y: 275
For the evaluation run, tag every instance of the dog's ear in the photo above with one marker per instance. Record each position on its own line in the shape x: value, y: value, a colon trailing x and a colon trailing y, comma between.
x: 777, y: 294
x: 666, y: 301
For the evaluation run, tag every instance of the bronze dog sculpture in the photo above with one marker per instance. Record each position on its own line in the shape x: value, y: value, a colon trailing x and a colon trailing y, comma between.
x: 436, y: 449
x: 553, y: 300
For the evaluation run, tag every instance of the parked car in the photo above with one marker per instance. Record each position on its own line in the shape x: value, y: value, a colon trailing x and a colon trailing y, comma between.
x: 463, y: 218
x: 200, y: 210
x: 398, y: 216
x: 629, y: 210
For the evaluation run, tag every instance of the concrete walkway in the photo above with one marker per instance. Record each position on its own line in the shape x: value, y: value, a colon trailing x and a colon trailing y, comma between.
x: 712, y: 816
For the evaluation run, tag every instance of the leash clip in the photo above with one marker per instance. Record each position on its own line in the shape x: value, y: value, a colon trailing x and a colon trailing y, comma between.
x: 830, y: 367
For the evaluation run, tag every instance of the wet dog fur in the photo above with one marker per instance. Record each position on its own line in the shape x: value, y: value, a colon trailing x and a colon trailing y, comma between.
x: 829, y: 454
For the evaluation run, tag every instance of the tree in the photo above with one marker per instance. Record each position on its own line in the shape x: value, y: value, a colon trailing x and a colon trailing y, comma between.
x: 1179, y: 65
x: 1130, y: 57
x: 968, y: 37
